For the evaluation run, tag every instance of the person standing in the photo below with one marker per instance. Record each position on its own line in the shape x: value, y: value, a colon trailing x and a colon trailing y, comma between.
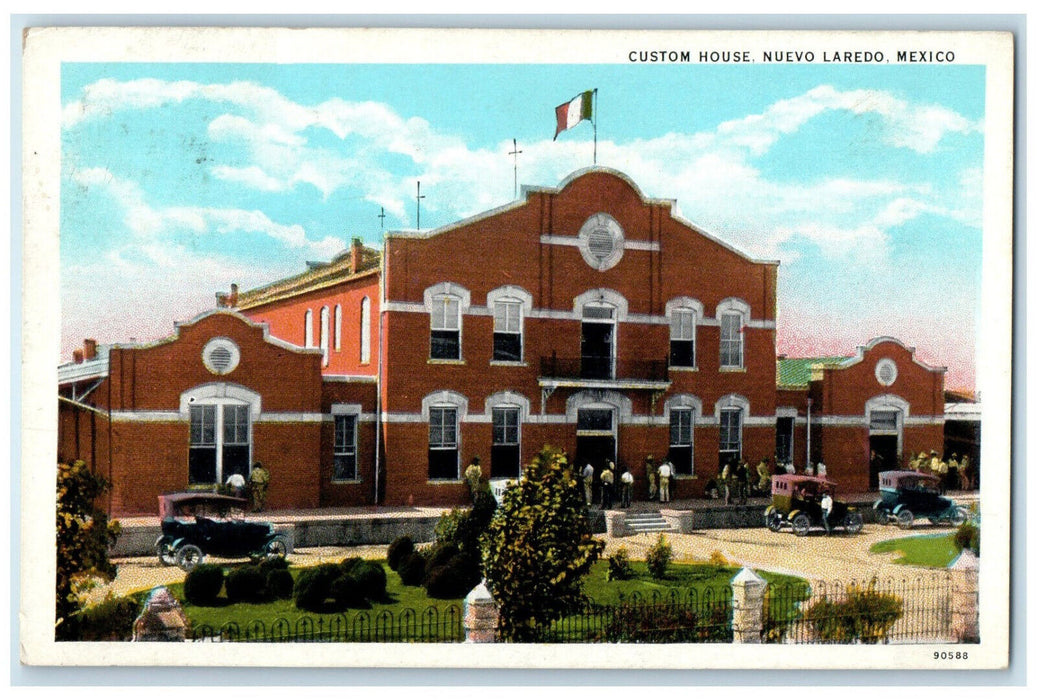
x: 628, y: 486
x: 258, y: 482
x: 742, y: 476
x: 665, y: 472
x: 764, y: 474
x: 653, y: 477
x: 588, y: 483
x: 952, y: 472
x: 965, y: 471
x: 473, y: 475
x: 822, y: 470
x: 826, y: 510
x: 726, y: 477
x: 607, y: 480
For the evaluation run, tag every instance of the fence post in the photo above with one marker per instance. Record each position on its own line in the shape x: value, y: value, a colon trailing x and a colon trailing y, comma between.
x: 162, y: 619
x: 965, y: 597
x: 747, y: 590
x: 481, y: 616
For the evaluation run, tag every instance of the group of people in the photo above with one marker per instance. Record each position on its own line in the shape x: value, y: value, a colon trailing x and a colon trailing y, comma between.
x: 953, y: 474
x: 737, y: 481
x: 622, y: 483
x: 254, y: 489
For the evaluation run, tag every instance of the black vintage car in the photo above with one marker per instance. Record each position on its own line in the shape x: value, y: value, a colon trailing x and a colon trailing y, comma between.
x: 796, y: 501
x: 906, y: 495
x: 198, y: 524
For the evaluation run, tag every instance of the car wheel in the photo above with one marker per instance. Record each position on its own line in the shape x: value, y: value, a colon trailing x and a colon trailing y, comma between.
x: 958, y: 517
x: 277, y: 547
x: 882, y: 516
x: 166, y: 553
x: 189, y: 556
x: 905, y: 519
x: 853, y: 522
x: 774, y: 521
x: 801, y: 524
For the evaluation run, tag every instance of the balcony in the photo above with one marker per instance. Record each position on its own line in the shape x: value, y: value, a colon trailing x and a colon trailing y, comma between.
x: 603, y: 372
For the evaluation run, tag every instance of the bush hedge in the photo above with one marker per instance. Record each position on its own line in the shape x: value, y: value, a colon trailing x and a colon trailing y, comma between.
x: 401, y: 548
x: 203, y: 584
x: 246, y: 584
x: 108, y: 621
x: 412, y: 569
x: 371, y: 579
x: 658, y: 557
x: 279, y: 584
x: 619, y: 566
x: 313, y: 587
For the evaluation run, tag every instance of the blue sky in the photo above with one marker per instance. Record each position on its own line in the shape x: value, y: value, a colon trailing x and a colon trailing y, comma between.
x: 865, y: 182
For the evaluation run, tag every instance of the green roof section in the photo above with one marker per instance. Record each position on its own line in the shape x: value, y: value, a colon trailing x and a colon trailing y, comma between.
x: 795, y: 371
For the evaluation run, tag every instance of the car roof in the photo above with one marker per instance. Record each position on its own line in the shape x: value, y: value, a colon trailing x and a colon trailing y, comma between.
x: 168, y: 502
x: 793, y: 479
x: 901, y: 474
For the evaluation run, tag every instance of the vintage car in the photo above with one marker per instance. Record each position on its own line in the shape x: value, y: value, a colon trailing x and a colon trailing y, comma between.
x: 906, y: 495
x: 796, y: 501
x: 196, y: 524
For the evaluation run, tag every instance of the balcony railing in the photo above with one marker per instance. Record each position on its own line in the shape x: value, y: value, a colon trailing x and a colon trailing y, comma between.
x: 594, y: 367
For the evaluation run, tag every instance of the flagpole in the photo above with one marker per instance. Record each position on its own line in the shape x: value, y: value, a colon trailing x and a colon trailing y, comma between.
x: 594, y: 122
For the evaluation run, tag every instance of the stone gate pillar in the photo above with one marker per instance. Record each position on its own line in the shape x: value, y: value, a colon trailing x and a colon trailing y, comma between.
x: 481, y: 616
x: 162, y: 619
x: 747, y: 590
x: 965, y: 597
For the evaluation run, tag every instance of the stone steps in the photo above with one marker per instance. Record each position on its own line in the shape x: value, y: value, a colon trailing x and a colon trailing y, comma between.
x: 647, y: 522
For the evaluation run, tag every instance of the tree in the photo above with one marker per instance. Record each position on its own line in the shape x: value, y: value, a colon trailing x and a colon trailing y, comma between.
x: 538, y: 547
x: 83, y: 538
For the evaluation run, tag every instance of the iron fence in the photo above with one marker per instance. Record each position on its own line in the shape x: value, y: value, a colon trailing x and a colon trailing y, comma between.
x: 693, y: 615
x: 898, y: 611
x: 432, y: 625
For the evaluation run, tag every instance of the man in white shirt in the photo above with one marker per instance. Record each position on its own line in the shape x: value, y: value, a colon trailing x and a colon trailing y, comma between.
x: 588, y: 483
x: 665, y: 471
x: 826, y: 510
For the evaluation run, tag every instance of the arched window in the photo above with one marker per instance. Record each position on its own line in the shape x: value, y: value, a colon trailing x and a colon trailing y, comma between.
x: 338, y: 327
x: 325, y: 332
x: 308, y: 328
x: 365, y: 331
x: 733, y: 315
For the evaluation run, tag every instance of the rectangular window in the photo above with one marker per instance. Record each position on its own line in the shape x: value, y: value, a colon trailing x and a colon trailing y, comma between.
x: 345, y: 449
x: 783, y: 446
x: 883, y: 421
x: 504, y: 457
x: 202, y: 455
x: 442, y: 444
x: 235, y: 441
x: 507, y: 331
x: 446, y: 329
x: 731, y: 340
x: 682, y: 423
x: 682, y: 338
x: 594, y: 420
x: 730, y: 435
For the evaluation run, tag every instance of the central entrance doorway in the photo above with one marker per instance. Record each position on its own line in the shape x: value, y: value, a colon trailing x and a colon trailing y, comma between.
x: 595, y: 437
x: 883, y: 444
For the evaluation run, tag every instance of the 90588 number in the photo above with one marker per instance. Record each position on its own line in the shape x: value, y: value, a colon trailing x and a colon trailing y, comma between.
x: 950, y: 655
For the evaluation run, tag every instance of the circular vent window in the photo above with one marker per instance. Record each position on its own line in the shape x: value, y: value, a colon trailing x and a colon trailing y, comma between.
x: 886, y: 371
x: 221, y: 355
x: 601, y: 241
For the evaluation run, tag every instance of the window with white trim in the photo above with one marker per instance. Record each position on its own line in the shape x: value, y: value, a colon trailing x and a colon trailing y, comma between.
x: 344, y: 468
x: 730, y: 435
x: 365, y: 331
x: 505, y: 453
x: 307, y: 320
x: 338, y: 327
x: 445, y: 320
x: 682, y: 441
x: 220, y: 442
x: 682, y: 338
x: 325, y: 333
x: 507, y: 330
x: 731, y: 337
x: 443, y: 455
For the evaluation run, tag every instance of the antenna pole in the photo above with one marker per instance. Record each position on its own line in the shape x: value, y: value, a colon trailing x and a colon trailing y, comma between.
x: 419, y: 198
x: 514, y: 154
x: 594, y: 121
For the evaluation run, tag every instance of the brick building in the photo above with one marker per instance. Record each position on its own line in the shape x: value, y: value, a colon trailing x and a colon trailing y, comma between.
x: 585, y: 316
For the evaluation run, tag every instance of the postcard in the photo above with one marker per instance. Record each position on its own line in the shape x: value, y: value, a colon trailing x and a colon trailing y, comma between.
x: 517, y: 348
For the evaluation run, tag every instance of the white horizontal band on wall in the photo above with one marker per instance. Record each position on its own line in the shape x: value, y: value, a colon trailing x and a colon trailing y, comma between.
x: 271, y: 417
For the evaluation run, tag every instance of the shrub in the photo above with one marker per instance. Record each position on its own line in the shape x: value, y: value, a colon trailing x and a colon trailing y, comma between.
x: 108, y: 621
x: 865, y: 615
x: 453, y: 579
x: 538, y: 547
x: 400, y: 548
x: 279, y: 584
x: 619, y: 566
x: 967, y: 537
x: 345, y: 591
x: 716, y: 558
x: 350, y: 565
x: 412, y: 569
x: 658, y: 557
x: 313, y: 587
x: 441, y: 553
x: 203, y: 584
x: 269, y: 564
x: 371, y: 580
x: 246, y: 584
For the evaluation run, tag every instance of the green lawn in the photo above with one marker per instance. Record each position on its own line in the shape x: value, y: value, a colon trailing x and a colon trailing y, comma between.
x: 921, y: 550
x: 680, y: 576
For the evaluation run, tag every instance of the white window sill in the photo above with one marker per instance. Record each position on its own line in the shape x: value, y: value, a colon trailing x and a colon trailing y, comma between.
x: 684, y: 369
x: 434, y: 361
x: 507, y: 363
x: 347, y: 482
x: 444, y: 482
x: 732, y: 369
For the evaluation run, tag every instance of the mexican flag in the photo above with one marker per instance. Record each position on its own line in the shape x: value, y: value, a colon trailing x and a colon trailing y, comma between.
x: 572, y: 113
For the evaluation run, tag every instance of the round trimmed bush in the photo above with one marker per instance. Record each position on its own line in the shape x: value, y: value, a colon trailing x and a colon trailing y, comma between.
x: 401, y: 548
x: 245, y: 585
x: 452, y: 580
x: 279, y: 584
x: 441, y: 554
x: 271, y: 563
x: 203, y: 584
x: 350, y: 565
x: 345, y: 591
x: 370, y: 577
x: 313, y: 587
x: 412, y: 569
